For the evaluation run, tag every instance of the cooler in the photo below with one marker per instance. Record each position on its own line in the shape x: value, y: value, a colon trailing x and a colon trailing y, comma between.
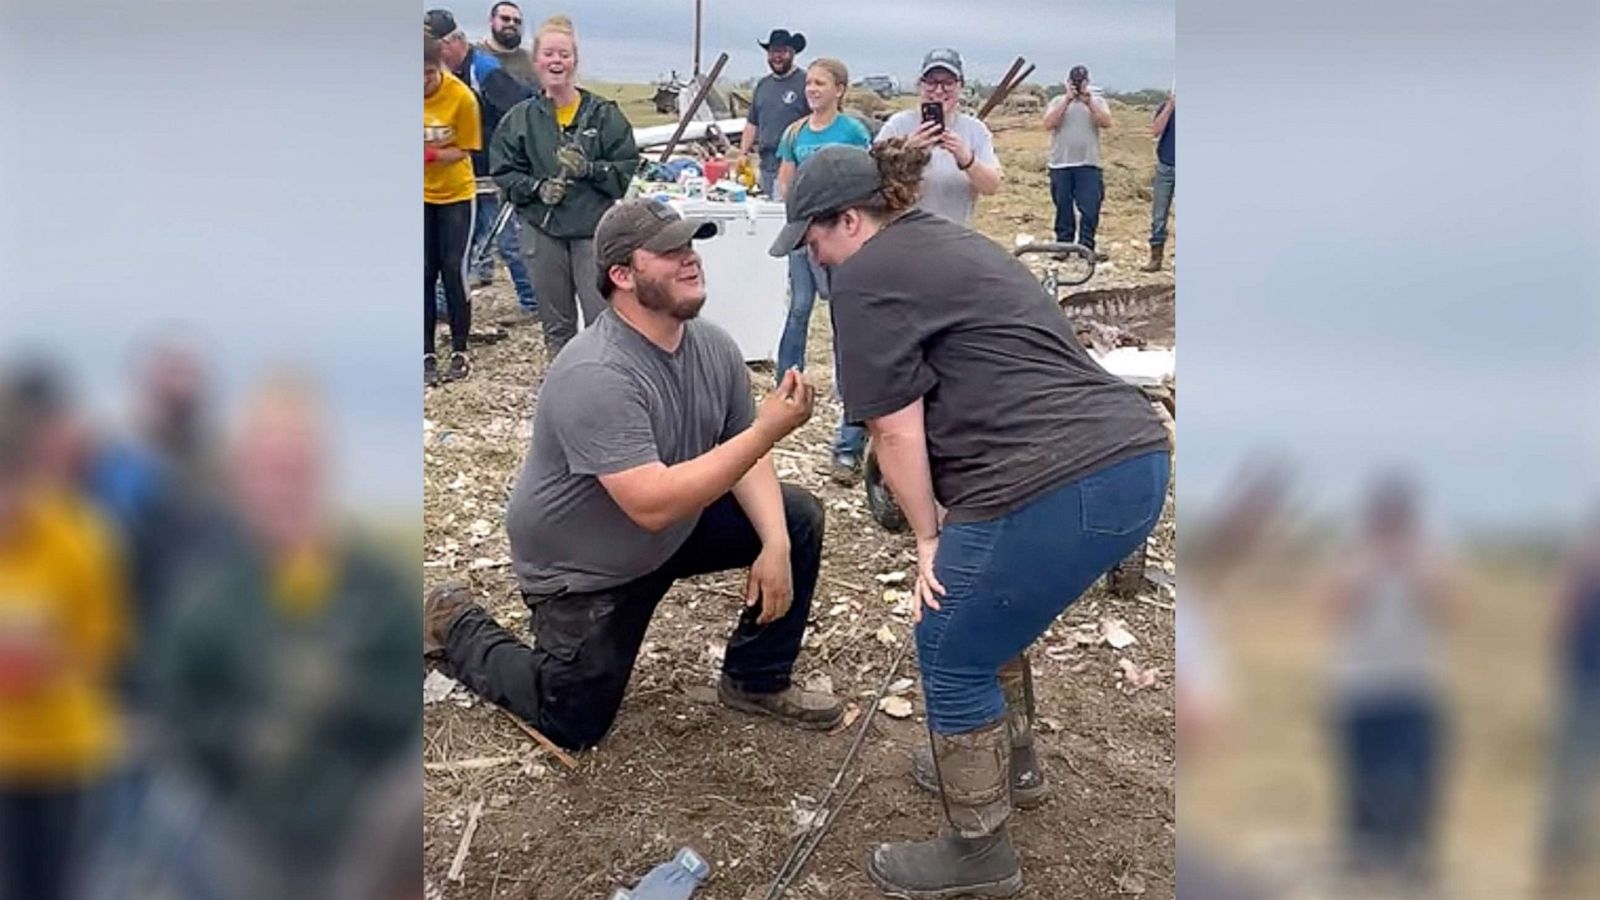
x: 747, y: 290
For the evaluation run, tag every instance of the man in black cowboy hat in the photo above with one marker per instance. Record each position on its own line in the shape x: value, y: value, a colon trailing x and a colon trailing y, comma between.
x: 779, y: 99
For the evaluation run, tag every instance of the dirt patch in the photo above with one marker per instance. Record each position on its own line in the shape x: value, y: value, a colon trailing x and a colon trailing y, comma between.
x: 678, y: 770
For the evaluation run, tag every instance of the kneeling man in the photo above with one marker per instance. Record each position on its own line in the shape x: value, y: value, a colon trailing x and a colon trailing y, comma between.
x: 649, y: 464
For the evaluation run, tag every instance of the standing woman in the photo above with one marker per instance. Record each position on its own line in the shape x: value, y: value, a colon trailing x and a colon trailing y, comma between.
x: 563, y: 157
x: 980, y: 398
x: 827, y: 80
x: 450, y: 132
x: 962, y: 165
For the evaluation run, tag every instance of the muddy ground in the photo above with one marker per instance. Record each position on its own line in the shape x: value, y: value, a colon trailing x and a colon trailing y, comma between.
x: 680, y: 771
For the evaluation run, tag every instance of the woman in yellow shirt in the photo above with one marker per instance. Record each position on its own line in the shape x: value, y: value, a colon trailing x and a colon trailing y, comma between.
x: 62, y: 626
x: 450, y: 131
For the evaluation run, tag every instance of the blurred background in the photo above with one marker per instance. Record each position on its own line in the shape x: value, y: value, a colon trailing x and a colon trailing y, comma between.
x: 210, y: 478
x: 1389, y: 616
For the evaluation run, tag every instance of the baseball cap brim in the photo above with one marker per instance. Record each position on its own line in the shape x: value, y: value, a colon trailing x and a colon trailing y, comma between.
x: 790, y: 238
x: 680, y: 233
x: 941, y: 64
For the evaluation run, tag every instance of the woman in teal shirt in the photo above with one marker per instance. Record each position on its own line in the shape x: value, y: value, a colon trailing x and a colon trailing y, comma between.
x: 826, y: 83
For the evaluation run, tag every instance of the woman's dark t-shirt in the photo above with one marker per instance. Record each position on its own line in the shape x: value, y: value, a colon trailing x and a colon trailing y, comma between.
x: 1013, y: 405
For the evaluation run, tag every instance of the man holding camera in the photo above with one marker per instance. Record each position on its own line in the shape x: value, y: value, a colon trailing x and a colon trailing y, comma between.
x: 1075, y: 120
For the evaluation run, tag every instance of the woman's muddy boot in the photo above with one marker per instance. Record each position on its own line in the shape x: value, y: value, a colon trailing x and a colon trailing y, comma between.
x: 1028, y: 786
x: 974, y: 858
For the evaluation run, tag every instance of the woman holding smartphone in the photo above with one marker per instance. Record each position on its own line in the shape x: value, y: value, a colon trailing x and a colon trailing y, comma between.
x: 827, y: 80
x: 962, y: 165
x: 981, y: 400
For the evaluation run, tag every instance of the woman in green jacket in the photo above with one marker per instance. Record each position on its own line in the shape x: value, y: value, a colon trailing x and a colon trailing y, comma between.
x: 563, y: 157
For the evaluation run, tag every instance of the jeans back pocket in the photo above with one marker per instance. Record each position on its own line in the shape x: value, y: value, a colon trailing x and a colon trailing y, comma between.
x: 1124, y: 498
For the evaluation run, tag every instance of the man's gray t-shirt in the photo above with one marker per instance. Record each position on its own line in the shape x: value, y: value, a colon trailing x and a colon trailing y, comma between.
x: 774, y: 106
x: 1077, y: 141
x: 518, y: 64
x: 946, y: 190
x: 1013, y: 406
x: 613, y: 401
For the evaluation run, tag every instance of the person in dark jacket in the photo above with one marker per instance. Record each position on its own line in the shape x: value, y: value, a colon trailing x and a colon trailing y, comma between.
x: 563, y: 158
x: 497, y: 92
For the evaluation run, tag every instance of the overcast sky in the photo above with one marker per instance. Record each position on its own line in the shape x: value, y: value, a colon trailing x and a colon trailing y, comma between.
x: 1127, y: 44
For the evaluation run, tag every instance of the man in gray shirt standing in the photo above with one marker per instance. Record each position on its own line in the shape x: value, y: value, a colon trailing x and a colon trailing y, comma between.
x: 779, y: 99
x: 650, y: 463
x: 1075, y: 120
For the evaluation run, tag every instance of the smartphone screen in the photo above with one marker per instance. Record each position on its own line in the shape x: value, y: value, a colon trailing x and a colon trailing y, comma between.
x: 933, y: 112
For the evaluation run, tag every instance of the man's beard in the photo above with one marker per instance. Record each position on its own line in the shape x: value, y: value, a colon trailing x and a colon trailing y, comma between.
x: 509, y: 38
x: 783, y: 69
x: 656, y: 296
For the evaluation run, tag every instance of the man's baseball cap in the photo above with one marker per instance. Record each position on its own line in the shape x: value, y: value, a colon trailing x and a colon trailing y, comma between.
x: 943, y: 58
x: 833, y: 178
x: 441, y: 23
x: 643, y: 224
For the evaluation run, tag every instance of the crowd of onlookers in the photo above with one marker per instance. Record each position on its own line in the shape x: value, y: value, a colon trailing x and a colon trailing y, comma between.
x: 207, y: 686
x: 506, y: 125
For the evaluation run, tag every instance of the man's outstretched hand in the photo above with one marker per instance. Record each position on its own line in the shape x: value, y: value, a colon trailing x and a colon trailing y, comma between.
x: 788, y: 407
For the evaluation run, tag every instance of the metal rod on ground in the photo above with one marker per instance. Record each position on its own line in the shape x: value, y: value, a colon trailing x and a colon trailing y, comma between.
x: 500, y: 222
x: 813, y: 839
x: 694, y: 106
x: 799, y: 853
x: 996, y: 95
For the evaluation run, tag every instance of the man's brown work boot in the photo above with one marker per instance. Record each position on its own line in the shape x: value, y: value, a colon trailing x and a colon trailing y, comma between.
x: 441, y: 607
x: 1028, y: 786
x: 800, y: 708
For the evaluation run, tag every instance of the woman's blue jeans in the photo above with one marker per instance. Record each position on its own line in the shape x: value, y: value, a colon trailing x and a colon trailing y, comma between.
x: 1007, y: 579
x: 806, y: 282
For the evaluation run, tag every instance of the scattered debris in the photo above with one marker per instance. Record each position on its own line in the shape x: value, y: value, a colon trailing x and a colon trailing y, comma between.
x: 898, y: 577
x: 469, y: 765
x: 701, y: 693
x: 886, y: 636
x: 851, y: 714
x: 1138, y: 678
x: 1116, y: 633
x: 716, y: 650
x: 820, y: 683
x: 460, y: 862
x: 437, y: 687
x: 896, y: 707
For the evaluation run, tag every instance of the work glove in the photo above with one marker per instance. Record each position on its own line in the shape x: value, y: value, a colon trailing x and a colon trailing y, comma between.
x: 574, y: 162
x: 552, y: 191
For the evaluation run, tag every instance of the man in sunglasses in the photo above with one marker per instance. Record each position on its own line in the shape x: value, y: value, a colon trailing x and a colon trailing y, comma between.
x: 964, y: 165
x: 505, y: 43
